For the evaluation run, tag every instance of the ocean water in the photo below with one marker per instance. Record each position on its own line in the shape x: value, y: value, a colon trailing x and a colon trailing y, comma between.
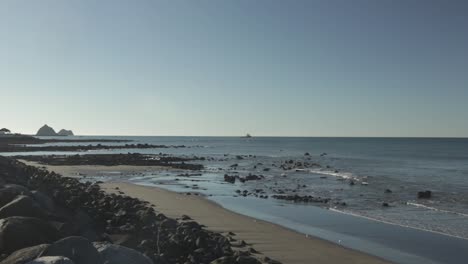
x: 410, y: 230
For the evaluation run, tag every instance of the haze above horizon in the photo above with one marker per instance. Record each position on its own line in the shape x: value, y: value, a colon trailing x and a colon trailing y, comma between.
x: 227, y: 68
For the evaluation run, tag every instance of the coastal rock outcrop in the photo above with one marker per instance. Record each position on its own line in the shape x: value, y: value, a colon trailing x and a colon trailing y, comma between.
x: 64, y: 132
x: 46, y: 131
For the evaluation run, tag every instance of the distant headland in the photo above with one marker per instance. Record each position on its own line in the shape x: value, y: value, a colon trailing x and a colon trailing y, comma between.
x: 47, y: 131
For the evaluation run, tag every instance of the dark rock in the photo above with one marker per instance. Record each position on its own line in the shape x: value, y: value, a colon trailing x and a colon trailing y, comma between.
x: 10, y: 191
x: 384, y: 204
x: 225, y: 260
x: 78, y: 249
x: 424, y: 194
x: 185, y: 217
x: 230, y: 179
x: 44, y: 200
x: 301, y: 199
x: 25, y: 255
x: 268, y: 260
x: 115, y: 254
x: 253, y: 251
x: 80, y: 224
x: 169, y: 223
x: 21, y: 206
x: 247, y: 260
x: 252, y: 177
x: 18, y: 232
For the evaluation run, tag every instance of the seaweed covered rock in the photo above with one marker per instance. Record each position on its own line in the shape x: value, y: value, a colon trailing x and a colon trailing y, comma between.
x: 8, y: 192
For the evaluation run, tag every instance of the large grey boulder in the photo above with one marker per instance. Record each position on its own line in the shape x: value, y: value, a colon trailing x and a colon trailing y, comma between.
x: 115, y: 254
x: 9, y: 191
x: 22, y: 205
x: 44, y: 200
x: 52, y: 260
x: 78, y: 249
x: 81, y: 224
x: 18, y: 232
x: 25, y: 255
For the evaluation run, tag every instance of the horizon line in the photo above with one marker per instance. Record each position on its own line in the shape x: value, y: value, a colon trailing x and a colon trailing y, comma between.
x: 266, y: 136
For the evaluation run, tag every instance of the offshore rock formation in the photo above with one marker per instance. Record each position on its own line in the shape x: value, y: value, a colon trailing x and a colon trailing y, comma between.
x: 47, y: 131
x: 65, y: 132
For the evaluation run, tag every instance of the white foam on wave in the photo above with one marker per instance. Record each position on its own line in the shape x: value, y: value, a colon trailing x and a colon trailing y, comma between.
x: 393, y: 223
x: 343, y: 175
x: 436, y: 209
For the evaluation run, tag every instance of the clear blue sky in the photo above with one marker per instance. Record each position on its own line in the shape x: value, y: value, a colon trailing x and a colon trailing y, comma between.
x: 285, y: 68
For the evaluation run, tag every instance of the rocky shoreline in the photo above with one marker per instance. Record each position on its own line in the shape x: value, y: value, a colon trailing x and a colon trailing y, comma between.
x: 24, y: 139
x: 19, y: 148
x: 21, y: 143
x: 132, y: 159
x: 44, y: 215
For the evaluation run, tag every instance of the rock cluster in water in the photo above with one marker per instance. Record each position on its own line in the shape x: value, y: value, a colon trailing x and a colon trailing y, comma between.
x: 46, y: 218
x: 302, y: 199
x: 250, y: 177
x: 424, y: 194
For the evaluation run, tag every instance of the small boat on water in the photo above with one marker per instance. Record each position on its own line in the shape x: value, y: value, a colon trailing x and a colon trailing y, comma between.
x: 247, y: 136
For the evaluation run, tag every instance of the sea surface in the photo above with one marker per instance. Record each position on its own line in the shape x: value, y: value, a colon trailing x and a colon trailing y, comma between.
x: 358, y: 175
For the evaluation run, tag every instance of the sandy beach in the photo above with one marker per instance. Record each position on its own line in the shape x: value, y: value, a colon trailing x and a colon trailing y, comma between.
x: 269, y: 239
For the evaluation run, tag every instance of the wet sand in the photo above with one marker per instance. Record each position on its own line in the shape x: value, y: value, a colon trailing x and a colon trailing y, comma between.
x: 271, y: 240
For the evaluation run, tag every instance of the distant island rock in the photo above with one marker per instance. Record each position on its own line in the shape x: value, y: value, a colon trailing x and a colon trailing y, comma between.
x: 65, y: 132
x: 47, y: 131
